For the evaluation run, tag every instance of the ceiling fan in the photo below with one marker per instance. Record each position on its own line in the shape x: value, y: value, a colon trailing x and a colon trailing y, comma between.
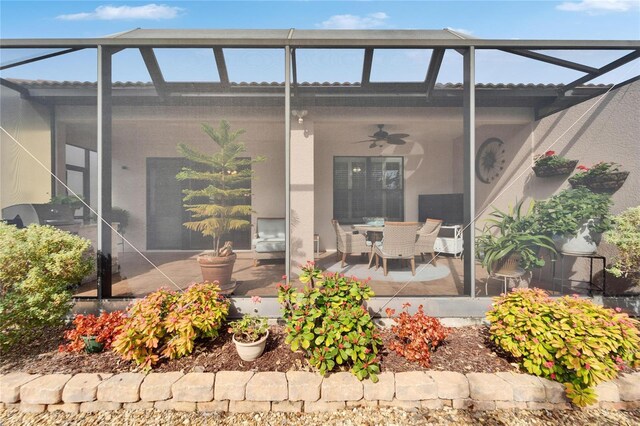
x: 381, y: 136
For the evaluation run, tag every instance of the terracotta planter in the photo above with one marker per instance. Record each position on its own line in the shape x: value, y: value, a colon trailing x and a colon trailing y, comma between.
x: 215, y: 268
x: 608, y: 183
x: 584, y: 241
x: 549, y: 171
x: 251, y: 351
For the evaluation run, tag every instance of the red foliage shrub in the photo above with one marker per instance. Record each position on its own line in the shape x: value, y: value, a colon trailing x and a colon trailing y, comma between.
x: 103, y: 327
x: 416, y: 335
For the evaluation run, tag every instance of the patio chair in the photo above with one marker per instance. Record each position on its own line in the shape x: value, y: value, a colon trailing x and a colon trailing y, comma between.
x: 427, y: 239
x: 398, y: 242
x: 349, y: 243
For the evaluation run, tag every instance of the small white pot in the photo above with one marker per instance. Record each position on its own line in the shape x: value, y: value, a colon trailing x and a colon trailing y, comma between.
x: 585, y: 241
x: 251, y: 351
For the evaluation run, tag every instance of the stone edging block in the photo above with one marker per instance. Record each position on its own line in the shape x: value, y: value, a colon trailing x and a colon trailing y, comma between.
x: 298, y: 391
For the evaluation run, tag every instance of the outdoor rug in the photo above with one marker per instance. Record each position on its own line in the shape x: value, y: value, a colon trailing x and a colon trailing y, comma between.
x: 396, y: 273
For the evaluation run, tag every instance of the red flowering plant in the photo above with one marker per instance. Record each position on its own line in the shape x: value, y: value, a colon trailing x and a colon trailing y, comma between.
x: 551, y: 159
x: 417, y: 335
x: 328, y: 322
x: 597, y: 170
x: 104, y: 328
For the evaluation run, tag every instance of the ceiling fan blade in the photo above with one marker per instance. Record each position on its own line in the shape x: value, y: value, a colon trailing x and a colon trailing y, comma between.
x: 398, y: 135
x: 396, y: 141
x: 373, y: 145
x: 366, y: 140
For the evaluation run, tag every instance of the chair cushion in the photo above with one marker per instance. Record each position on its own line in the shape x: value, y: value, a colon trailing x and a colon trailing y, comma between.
x: 269, y: 245
x: 271, y: 228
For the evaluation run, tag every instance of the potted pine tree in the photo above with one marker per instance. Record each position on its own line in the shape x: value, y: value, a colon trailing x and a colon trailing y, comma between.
x: 222, y: 204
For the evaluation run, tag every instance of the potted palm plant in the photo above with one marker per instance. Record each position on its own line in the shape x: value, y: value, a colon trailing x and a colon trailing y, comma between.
x: 222, y: 204
x: 509, y: 241
x: 575, y: 219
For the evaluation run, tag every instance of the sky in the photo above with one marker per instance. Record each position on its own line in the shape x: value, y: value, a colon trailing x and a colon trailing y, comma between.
x: 575, y: 19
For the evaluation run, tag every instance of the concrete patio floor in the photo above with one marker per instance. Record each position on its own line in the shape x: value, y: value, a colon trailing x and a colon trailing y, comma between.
x: 137, y: 277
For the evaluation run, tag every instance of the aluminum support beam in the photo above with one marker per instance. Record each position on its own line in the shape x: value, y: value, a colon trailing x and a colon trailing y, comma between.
x: 37, y: 58
x: 469, y: 146
x: 366, y: 67
x: 605, y: 69
x: 287, y: 155
x: 551, y: 60
x: 222, y: 66
x: 104, y: 120
x: 151, y: 62
x: 434, y: 68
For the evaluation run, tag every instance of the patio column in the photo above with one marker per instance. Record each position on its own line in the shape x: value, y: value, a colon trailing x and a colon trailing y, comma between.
x: 469, y: 175
x: 104, y: 171
x: 302, y: 193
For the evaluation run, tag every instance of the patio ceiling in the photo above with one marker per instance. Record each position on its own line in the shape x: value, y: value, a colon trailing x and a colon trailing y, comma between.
x: 544, y: 99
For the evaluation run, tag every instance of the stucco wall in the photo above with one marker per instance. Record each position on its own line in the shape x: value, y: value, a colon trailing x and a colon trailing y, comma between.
x: 22, y: 180
x: 606, y: 128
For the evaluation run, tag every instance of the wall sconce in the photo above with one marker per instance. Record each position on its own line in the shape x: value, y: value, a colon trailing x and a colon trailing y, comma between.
x: 356, y: 169
x: 300, y: 114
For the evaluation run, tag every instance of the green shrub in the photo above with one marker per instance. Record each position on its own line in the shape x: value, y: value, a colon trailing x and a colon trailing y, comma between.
x: 38, y: 264
x: 166, y: 324
x: 329, y: 323
x: 565, y: 212
x: 625, y: 235
x: 570, y: 340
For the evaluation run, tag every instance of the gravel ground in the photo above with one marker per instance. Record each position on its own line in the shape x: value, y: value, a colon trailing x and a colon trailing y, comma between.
x: 356, y: 416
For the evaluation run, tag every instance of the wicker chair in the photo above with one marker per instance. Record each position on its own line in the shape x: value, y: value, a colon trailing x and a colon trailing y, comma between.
x: 398, y: 242
x: 350, y: 243
x: 427, y: 238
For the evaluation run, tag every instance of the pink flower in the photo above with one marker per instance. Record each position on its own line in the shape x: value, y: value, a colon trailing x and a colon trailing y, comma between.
x: 618, y: 310
x: 548, y: 364
x: 284, y: 277
x: 553, y: 376
x: 535, y: 340
x: 587, y: 366
x: 550, y: 153
x: 256, y: 299
x: 581, y: 167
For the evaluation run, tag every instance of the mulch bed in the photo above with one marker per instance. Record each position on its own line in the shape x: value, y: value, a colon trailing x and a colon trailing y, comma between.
x: 465, y: 350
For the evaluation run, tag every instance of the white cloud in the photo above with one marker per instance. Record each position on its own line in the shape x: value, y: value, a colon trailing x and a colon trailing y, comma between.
x: 110, y: 13
x: 355, y: 22
x: 596, y: 6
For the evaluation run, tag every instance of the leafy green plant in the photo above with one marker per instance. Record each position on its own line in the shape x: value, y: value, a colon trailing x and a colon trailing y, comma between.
x: 166, y: 324
x: 625, y: 235
x: 103, y: 327
x: 570, y: 340
x: 38, y: 266
x: 249, y: 329
x: 121, y: 216
x: 417, y: 335
x: 328, y: 321
x: 551, y: 159
x: 567, y: 211
x: 511, y: 233
x: 68, y: 200
x: 225, y: 175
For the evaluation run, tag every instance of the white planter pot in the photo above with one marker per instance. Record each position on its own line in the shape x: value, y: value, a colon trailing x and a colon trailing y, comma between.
x: 251, y: 351
x: 585, y: 241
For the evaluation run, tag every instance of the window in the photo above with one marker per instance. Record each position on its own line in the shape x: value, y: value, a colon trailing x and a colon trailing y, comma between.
x: 81, y: 165
x: 368, y: 187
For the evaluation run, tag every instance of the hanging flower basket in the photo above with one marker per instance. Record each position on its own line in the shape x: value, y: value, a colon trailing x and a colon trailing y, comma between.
x: 608, y: 183
x: 548, y: 170
x: 602, y: 177
x: 549, y: 164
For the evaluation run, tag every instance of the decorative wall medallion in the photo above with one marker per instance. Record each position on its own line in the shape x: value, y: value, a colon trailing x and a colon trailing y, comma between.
x: 490, y: 160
